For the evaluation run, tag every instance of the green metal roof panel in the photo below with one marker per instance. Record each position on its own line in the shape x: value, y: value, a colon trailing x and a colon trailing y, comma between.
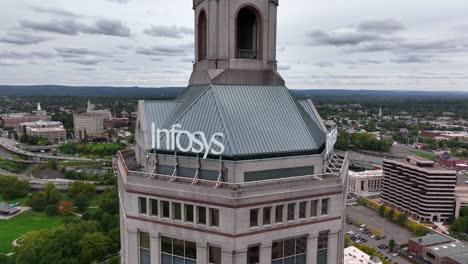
x: 255, y: 120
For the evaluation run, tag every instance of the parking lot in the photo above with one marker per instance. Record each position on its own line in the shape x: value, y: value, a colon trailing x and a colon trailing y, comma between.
x: 390, y: 230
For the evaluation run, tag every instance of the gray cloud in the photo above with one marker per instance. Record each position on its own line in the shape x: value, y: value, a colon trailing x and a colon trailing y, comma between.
x: 168, y: 31
x: 412, y: 59
x: 54, y: 11
x: 30, y: 55
x: 20, y: 38
x: 68, y: 52
x: 324, y: 64
x: 83, y: 61
x: 381, y: 25
x: 162, y: 51
x: 284, y: 67
x: 119, y: 1
x: 72, y: 27
x: 341, y: 37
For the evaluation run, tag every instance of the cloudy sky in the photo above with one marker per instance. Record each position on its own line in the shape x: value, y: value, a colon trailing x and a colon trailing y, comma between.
x: 358, y: 44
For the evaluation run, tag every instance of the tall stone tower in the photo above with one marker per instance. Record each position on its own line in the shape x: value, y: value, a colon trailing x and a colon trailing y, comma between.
x: 235, y: 42
x: 235, y: 170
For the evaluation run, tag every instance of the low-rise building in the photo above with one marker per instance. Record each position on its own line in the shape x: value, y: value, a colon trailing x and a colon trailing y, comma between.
x: 416, y: 244
x: 14, y: 120
x: 353, y: 255
x: 439, y: 254
x: 365, y: 183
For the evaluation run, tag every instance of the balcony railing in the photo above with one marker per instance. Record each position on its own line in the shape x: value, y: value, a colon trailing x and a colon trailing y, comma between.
x: 247, y: 54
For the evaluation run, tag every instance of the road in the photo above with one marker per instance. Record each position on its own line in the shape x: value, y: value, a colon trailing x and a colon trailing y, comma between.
x: 10, y: 145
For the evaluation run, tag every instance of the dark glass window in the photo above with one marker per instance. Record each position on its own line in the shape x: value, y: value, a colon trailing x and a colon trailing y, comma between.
x: 267, y: 216
x: 214, y: 217
x: 154, y: 207
x: 165, y: 209
x: 279, y: 214
x: 214, y: 255
x: 177, y: 211
x: 291, y: 211
x: 322, y: 247
x: 313, y: 208
x: 188, y: 213
x: 201, y: 215
x: 302, y: 210
x: 253, y: 217
x: 145, y: 249
x: 253, y: 254
x: 142, y: 205
x: 175, y: 251
x: 325, y: 206
x: 289, y: 251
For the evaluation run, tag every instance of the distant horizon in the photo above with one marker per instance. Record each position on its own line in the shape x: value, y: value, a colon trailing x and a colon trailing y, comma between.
x: 181, y: 87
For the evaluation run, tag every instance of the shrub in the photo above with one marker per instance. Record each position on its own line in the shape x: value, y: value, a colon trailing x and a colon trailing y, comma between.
x: 51, y: 210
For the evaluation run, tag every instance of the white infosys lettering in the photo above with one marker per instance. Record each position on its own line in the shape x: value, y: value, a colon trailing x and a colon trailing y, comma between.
x: 182, y: 140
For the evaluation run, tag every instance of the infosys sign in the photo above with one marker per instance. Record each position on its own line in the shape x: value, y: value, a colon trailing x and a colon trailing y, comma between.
x: 196, y: 142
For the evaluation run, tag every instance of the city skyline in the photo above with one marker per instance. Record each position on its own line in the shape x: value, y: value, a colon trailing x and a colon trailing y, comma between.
x: 320, y: 45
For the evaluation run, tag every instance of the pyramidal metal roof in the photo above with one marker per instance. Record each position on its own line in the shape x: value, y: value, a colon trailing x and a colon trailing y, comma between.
x: 255, y: 120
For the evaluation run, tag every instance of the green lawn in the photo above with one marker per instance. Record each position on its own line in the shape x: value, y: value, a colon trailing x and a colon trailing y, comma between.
x: 21, y: 224
x: 22, y: 201
x: 423, y: 154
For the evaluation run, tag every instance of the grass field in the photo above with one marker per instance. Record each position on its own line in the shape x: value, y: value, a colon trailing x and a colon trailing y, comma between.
x: 423, y: 154
x: 22, y: 201
x: 21, y: 224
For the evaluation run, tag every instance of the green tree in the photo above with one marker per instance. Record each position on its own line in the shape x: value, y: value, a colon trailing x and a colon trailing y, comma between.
x: 382, y: 210
x: 51, y: 210
x: 109, y: 201
x: 464, y: 211
x: 391, y: 214
x: 81, y: 201
x: 402, y: 219
x: 38, y: 201
x: 52, y: 193
x: 391, y: 244
x: 12, y: 188
x: 94, y: 246
x: 78, y: 187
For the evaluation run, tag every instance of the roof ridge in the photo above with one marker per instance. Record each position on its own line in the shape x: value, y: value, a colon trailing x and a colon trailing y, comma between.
x: 224, y: 124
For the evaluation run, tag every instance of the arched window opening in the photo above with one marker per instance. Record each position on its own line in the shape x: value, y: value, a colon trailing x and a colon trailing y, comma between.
x: 202, y: 36
x: 248, y: 34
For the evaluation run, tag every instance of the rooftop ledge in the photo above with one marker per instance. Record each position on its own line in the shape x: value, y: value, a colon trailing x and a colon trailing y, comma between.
x: 335, y: 165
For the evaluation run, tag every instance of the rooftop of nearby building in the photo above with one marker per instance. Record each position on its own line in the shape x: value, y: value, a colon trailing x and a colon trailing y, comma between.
x: 420, y: 163
x: 365, y: 174
x: 41, y: 123
x: 449, y: 249
x: 432, y: 239
x: 461, y: 258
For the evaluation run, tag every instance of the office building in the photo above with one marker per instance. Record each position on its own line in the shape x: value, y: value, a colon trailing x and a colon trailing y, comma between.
x: 51, y: 130
x: 419, y: 188
x: 235, y: 170
x: 91, y: 124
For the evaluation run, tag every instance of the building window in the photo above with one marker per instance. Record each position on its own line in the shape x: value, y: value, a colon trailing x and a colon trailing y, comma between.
x: 214, y: 255
x: 279, y: 214
x: 248, y: 33
x: 325, y: 206
x: 177, y: 211
x: 202, y: 36
x: 142, y: 205
x: 214, y: 217
x: 154, y: 207
x: 175, y: 251
x: 201, y: 215
x: 188, y: 213
x: 313, y: 208
x: 145, y: 249
x: 165, y: 209
x: 267, y: 216
x: 253, y: 254
x: 322, y: 247
x: 291, y: 211
x: 289, y: 251
x: 302, y: 210
x: 253, y: 217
